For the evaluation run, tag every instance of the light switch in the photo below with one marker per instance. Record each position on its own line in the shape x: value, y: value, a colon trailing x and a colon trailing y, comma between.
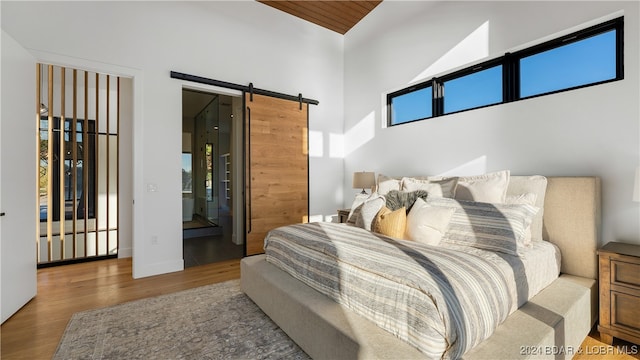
x: 152, y: 187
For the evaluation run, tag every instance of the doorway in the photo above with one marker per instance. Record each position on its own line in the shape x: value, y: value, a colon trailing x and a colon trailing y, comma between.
x: 209, y: 142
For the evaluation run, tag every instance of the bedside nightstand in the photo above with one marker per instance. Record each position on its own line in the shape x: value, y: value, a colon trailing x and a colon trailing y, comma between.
x: 343, y: 215
x: 619, y: 277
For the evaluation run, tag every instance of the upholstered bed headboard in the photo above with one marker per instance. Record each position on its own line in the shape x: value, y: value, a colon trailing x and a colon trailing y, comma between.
x: 571, y: 220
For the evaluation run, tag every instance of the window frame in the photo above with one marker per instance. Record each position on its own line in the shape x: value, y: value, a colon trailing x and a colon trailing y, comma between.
x: 408, y: 90
x: 90, y: 144
x: 466, y: 72
x: 510, y: 62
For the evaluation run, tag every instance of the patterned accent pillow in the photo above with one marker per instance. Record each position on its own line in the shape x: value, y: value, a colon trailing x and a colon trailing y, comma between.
x: 495, y: 227
x: 396, y: 199
x: 391, y: 223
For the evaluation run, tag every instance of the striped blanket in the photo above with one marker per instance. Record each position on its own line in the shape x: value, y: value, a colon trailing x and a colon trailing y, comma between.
x: 441, y: 300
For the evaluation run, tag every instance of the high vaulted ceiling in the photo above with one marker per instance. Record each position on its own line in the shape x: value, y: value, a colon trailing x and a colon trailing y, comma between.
x: 339, y: 16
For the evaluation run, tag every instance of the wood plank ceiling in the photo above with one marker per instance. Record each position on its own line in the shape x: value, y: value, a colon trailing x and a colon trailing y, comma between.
x: 339, y: 16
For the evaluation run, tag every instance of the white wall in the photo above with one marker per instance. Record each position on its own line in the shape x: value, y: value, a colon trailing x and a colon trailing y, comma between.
x: 239, y: 42
x: 125, y: 205
x: 591, y: 131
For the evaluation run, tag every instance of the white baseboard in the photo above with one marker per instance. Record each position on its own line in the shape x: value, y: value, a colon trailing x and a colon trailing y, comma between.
x: 140, y: 271
x: 125, y: 253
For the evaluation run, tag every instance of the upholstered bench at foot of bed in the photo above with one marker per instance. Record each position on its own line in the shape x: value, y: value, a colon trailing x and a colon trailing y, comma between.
x: 319, y: 325
x: 551, y: 325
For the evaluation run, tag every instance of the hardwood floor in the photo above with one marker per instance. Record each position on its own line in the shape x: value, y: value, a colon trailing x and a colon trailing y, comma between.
x: 35, y: 330
x: 593, y: 348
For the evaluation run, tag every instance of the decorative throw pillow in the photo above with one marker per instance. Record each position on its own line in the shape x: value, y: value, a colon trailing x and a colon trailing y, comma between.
x: 396, y: 199
x: 434, y: 186
x: 427, y: 223
x: 391, y: 223
x: 495, y: 227
x: 386, y: 184
x: 488, y: 188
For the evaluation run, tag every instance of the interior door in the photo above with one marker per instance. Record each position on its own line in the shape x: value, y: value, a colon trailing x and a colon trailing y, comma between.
x: 18, y: 185
x: 277, y: 173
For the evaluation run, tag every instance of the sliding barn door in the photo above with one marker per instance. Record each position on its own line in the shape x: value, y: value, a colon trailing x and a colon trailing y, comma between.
x: 277, y: 173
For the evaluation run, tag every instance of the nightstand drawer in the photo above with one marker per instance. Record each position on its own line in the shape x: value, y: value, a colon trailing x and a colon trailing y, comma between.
x: 343, y: 215
x: 625, y: 274
x: 619, y: 272
x: 625, y: 311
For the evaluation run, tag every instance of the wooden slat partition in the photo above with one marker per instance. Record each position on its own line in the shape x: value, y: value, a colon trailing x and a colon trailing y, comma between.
x: 118, y: 165
x: 85, y: 161
x: 108, y: 199
x: 61, y: 162
x: 50, y: 162
x: 71, y: 142
x: 39, y: 150
x: 96, y: 204
x: 74, y: 157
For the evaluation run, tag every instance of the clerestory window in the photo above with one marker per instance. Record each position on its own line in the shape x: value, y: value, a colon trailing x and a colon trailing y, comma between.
x: 584, y: 58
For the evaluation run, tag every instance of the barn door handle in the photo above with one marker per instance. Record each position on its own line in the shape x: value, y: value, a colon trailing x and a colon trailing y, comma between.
x: 249, y: 166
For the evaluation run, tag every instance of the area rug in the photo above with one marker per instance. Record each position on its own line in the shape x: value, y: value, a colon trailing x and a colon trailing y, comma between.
x: 211, y: 322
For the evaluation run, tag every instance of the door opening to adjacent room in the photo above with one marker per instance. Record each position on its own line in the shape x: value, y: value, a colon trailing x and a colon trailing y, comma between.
x: 210, y: 133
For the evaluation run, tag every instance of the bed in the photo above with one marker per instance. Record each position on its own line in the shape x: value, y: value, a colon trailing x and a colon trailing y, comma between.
x: 551, y: 324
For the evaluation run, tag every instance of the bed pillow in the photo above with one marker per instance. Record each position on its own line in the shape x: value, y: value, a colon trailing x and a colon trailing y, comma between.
x: 364, y: 209
x: 529, y: 199
x: 495, y: 227
x: 434, y: 186
x: 364, y: 213
x: 355, y: 207
x: 386, y: 184
x: 391, y: 223
x: 524, y: 198
x: 536, y: 184
x: 488, y: 188
x: 426, y: 223
x: 396, y: 199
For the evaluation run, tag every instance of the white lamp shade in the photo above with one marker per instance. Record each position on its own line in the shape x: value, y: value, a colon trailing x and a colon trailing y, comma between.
x: 636, y: 186
x: 363, y: 180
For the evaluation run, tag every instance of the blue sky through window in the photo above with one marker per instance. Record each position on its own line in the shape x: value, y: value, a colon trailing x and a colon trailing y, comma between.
x: 583, y: 62
x: 474, y: 90
x: 412, y: 106
x: 186, y: 162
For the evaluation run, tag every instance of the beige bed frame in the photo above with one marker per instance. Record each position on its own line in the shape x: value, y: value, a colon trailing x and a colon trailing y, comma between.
x: 551, y: 325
